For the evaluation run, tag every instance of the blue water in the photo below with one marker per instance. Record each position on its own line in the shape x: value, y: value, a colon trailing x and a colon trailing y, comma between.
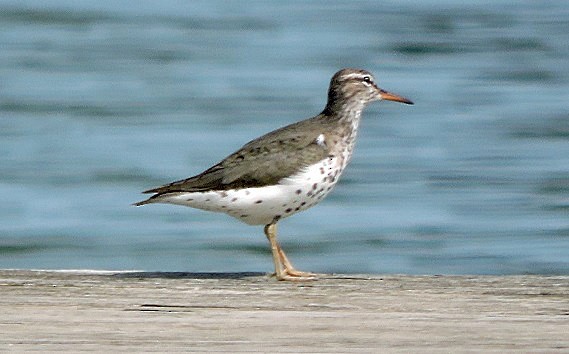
x: 101, y: 100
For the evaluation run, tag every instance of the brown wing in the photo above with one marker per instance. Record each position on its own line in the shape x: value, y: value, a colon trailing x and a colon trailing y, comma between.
x: 261, y: 162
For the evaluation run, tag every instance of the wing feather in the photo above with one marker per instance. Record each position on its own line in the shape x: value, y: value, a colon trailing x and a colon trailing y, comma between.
x: 263, y: 161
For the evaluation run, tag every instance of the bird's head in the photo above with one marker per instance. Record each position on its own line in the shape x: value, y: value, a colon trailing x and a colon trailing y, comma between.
x: 356, y: 88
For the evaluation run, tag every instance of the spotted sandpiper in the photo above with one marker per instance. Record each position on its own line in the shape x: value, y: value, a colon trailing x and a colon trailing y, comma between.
x: 285, y: 171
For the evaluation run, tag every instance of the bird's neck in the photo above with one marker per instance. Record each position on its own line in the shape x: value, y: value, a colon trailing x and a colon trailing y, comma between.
x: 346, y: 119
x: 343, y: 106
x: 345, y: 113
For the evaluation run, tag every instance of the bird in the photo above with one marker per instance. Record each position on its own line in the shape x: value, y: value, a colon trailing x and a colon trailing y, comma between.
x: 285, y: 171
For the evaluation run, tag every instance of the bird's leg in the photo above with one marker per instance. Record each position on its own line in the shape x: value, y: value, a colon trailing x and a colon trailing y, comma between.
x: 289, y: 268
x: 283, y: 268
x: 271, y: 233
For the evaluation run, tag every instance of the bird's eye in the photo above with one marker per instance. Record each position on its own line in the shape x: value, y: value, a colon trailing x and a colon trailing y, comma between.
x: 367, y: 79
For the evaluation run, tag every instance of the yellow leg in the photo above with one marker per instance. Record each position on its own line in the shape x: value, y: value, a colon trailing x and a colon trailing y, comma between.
x: 271, y: 233
x: 284, y: 270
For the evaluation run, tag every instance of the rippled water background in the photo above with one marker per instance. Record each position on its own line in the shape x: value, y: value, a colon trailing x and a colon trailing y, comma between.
x: 101, y: 100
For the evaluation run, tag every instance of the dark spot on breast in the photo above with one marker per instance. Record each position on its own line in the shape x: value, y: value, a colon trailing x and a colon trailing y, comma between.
x: 309, y: 193
x: 234, y: 199
x: 243, y: 216
x: 314, y: 186
x: 258, y: 202
x: 297, y: 209
x: 298, y: 191
x: 247, y: 192
x: 303, y: 204
x: 189, y: 200
x: 223, y: 194
x: 288, y: 210
x: 208, y: 200
x: 322, y: 171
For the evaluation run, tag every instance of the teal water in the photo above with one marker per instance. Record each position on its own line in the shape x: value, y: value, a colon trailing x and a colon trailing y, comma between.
x: 101, y: 101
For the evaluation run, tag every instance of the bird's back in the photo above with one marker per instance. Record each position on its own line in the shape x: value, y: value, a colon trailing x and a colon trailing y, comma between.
x: 262, y: 161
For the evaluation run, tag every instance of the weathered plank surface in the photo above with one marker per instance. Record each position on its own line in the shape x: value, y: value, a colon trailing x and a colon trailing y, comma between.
x: 159, y: 312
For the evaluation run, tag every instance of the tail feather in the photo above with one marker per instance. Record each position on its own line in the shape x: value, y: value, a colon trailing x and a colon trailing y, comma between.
x: 156, y: 198
x: 144, y: 202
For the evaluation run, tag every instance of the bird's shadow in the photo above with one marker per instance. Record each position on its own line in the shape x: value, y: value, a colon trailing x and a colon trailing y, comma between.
x: 188, y: 275
x: 230, y: 275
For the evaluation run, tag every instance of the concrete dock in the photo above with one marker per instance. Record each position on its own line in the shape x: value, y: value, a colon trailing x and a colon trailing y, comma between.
x: 72, y: 311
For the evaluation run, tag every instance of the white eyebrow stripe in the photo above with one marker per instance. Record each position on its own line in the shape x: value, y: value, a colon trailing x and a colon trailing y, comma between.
x: 355, y: 76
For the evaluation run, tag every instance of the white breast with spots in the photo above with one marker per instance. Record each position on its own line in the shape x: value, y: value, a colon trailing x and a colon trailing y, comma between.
x: 264, y: 205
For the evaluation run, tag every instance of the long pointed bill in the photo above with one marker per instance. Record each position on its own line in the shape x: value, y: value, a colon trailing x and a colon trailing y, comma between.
x: 388, y: 96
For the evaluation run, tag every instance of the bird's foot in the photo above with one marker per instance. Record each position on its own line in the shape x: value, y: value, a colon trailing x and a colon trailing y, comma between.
x: 283, y: 268
x: 295, y: 275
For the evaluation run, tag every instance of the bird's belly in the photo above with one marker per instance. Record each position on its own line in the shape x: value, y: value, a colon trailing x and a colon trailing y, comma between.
x: 267, y: 204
